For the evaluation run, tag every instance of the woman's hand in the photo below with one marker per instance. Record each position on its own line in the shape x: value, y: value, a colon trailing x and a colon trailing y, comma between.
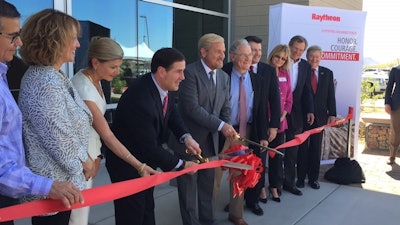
x: 88, y: 168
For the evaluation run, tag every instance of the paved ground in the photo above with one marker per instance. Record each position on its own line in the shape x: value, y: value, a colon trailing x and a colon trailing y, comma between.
x: 379, y: 176
x: 374, y: 202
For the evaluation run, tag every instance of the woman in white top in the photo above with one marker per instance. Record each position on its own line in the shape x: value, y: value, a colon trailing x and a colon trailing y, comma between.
x: 105, y: 58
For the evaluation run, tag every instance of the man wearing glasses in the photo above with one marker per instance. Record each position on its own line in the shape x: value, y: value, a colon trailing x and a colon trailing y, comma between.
x: 16, y: 180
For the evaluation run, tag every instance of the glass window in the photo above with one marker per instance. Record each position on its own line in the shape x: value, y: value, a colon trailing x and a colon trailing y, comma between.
x: 117, y: 21
x: 16, y: 67
x: 218, y: 6
x: 28, y: 9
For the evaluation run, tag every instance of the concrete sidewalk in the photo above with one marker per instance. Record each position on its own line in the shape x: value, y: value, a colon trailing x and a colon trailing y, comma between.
x: 331, y: 205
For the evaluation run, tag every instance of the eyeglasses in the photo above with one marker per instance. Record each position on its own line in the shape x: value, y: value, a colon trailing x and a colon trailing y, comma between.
x: 12, y: 37
x: 281, y: 58
x: 245, y: 56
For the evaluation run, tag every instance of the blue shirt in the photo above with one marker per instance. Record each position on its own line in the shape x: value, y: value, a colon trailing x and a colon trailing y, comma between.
x: 234, y: 96
x: 16, y: 179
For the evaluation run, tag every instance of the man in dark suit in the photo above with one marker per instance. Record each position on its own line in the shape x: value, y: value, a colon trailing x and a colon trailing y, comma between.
x: 323, y: 90
x: 302, y: 109
x: 272, y: 104
x: 392, y: 107
x: 255, y: 121
x: 145, y: 113
x: 205, y: 109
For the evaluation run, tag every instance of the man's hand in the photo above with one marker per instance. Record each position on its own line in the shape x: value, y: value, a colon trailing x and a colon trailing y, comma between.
x: 192, y: 146
x: 310, y: 118
x: 388, y: 109
x: 272, y: 134
x: 264, y: 143
x: 229, y: 132
x: 190, y: 164
x: 66, y: 192
x: 331, y: 119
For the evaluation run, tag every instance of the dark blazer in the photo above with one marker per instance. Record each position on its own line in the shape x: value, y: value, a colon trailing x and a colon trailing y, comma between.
x: 392, y: 97
x: 302, y: 97
x: 271, y: 91
x: 201, y: 116
x: 324, y: 98
x: 259, y: 124
x: 140, y: 126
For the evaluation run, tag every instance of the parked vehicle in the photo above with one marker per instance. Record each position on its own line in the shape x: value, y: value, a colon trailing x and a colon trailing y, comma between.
x: 378, y: 81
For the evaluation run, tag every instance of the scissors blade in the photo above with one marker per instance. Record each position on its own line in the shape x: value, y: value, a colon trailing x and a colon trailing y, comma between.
x: 238, y: 166
x: 258, y: 145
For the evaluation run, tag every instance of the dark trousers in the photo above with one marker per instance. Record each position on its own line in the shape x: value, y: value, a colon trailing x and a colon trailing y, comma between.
x: 61, y: 218
x: 202, y: 183
x: 309, y: 158
x: 290, y: 158
x: 5, y: 202
x: 137, y: 209
x: 275, y: 165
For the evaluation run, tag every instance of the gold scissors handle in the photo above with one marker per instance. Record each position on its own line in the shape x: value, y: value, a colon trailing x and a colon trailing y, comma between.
x: 199, y: 157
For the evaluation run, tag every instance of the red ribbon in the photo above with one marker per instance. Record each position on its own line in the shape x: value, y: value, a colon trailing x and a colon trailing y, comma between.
x: 243, y: 179
x: 300, y: 138
x: 109, y: 192
x: 98, y: 195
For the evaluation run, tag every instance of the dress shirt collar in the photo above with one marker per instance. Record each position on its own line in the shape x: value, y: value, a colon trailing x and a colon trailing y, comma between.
x: 3, y: 68
x: 255, y: 67
x: 207, y: 69
x: 236, y: 74
x: 160, y: 90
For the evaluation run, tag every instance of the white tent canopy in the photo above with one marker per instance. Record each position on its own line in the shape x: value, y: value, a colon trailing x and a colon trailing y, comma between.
x: 145, y: 53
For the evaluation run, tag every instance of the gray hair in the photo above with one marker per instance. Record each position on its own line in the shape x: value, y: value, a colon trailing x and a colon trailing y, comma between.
x: 236, y: 44
x: 312, y: 49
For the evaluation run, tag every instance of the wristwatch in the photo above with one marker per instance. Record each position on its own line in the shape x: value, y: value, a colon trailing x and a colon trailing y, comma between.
x: 182, y: 166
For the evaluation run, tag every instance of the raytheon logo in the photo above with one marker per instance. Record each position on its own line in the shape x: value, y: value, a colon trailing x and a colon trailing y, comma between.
x: 325, y: 17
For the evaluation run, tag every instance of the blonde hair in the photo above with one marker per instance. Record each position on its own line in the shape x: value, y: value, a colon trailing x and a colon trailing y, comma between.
x: 45, y: 36
x: 206, y: 40
x: 104, y: 49
x: 278, y: 49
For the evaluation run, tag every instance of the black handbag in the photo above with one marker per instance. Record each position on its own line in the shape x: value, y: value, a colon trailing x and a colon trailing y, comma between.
x: 345, y: 171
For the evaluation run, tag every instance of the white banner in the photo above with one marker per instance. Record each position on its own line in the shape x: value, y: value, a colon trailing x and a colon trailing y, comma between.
x: 340, y: 34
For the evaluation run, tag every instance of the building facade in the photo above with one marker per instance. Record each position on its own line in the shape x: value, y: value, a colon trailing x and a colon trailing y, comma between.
x: 143, y: 26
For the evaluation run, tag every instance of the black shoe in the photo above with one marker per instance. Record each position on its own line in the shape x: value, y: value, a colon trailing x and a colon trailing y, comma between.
x: 275, y: 199
x: 300, y: 183
x: 263, y: 200
x: 226, y: 208
x: 292, y: 190
x: 314, y: 184
x: 256, y: 209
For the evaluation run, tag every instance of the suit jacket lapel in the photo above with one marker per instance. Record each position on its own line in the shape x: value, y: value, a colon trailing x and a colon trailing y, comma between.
x: 206, y: 81
x: 155, y: 95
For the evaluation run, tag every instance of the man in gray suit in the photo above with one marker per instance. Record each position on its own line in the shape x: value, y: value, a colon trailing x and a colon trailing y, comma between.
x: 205, y: 109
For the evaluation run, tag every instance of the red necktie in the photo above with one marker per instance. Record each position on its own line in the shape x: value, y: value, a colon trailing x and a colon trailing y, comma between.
x: 165, y: 105
x: 252, y: 69
x: 242, y: 108
x: 314, y: 81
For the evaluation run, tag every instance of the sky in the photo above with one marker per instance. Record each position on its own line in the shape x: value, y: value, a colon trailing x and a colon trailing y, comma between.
x: 382, y: 33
